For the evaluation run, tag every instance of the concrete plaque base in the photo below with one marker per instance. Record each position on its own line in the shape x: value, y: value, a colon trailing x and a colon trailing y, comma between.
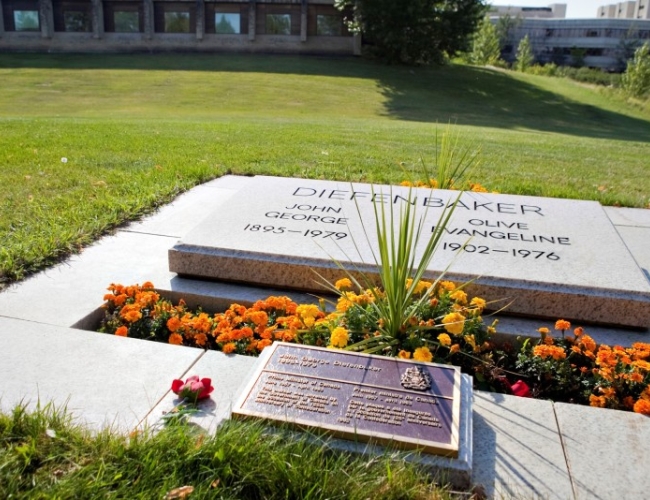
x: 543, y: 257
x: 359, y: 397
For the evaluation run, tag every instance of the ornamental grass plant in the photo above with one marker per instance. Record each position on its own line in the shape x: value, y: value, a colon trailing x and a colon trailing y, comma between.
x: 44, y: 454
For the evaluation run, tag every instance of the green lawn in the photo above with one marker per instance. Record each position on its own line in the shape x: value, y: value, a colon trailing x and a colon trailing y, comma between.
x: 137, y: 130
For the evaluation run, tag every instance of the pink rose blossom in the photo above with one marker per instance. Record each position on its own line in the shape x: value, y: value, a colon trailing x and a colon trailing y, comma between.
x: 193, y: 389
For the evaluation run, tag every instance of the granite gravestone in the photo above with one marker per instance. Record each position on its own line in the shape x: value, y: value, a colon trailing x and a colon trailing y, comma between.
x: 358, y: 396
x: 543, y: 257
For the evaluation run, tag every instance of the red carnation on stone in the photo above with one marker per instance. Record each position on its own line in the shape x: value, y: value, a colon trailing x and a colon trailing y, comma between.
x: 193, y: 389
x: 521, y: 389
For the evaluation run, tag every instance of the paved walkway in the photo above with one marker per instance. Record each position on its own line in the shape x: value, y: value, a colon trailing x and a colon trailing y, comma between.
x: 522, y: 448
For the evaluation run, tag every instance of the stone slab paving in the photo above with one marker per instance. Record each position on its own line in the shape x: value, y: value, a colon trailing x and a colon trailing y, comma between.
x: 107, y: 380
x: 517, y: 448
x: 228, y: 373
x: 102, y: 379
x: 607, y: 452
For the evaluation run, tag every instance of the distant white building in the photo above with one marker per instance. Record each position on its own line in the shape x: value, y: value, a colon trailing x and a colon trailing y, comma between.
x: 598, y: 43
x: 637, y: 9
x: 553, y: 11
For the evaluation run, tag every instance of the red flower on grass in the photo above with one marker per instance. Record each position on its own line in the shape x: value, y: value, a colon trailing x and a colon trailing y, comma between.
x: 193, y: 389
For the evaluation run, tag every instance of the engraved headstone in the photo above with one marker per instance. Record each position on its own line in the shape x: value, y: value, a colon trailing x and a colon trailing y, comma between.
x: 542, y: 257
x: 358, y: 396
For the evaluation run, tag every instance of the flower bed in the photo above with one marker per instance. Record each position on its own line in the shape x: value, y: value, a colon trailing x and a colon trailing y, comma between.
x: 444, y: 326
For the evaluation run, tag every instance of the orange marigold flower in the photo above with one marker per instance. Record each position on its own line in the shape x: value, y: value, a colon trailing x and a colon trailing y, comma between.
x: 200, y: 339
x: 641, y: 365
x: 561, y: 324
x: 444, y: 339
x: 229, y: 348
x: 404, y: 354
x: 454, y: 323
x: 422, y: 354
x: 544, y: 331
x: 263, y: 343
x: 454, y: 349
x: 597, y: 401
x: 549, y: 351
x: 173, y: 324
x: 628, y: 402
x: 636, y: 377
x: 147, y: 285
x: 175, y: 339
x: 588, y: 343
x: 578, y: 331
x: 548, y: 340
x: 122, y: 331
x: 642, y: 406
x: 131, y: 313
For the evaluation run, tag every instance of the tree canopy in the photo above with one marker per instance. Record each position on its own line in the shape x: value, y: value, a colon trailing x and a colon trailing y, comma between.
x: 414, y: 31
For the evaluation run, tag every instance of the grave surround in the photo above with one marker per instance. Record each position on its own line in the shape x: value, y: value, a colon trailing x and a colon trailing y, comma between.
x: 539, y: 257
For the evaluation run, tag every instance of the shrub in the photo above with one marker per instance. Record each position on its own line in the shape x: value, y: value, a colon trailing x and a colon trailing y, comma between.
x: 636, y: 79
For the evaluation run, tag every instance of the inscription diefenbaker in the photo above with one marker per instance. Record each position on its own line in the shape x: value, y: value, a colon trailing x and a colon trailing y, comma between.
x: 355, y: 396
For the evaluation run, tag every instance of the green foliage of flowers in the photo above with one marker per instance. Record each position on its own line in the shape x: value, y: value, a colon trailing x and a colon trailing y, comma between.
x: 43, y: 454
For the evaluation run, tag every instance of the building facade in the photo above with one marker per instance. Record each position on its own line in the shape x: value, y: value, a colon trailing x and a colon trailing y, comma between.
x: 637, y: 9
x: 553, y: 11
x: 294, y: 26
x: 597, y: 43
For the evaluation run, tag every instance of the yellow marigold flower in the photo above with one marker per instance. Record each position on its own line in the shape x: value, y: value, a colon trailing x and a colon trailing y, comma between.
x: 471, y: 341
x: 561, y: 324
x: 597, y: 401
x: 308, y: 313
x: 459, y: 296
x: 448, y: 286
x: 404, y: 354
x: 454, y: 323
x: 433, y: 183
x: 343, y: 283
x: 544, y: 331
x: 175, y: 339
x: 491, y: 330
x: 122, y: 331
x: 229, y: 348
x: 339, y: 337
x: 642, y: 406
x: 422, y: 286
x: 422, y: 354
x: 477, y: 188
x: 444, y: 339
x: 478, y: 303
x: 345, y: 301
x: 454, y: 349
x: 406, y: 184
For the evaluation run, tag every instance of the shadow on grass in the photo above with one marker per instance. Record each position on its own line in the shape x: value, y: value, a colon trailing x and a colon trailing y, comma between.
x: 462, y: 95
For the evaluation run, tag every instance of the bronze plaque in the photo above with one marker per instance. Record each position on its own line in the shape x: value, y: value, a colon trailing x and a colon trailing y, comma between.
x: 355, y: 396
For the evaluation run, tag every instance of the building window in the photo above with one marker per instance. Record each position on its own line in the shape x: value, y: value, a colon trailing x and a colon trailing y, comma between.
x: 329, y: 25
x: 592, y: 33
x: 72, y: 16
x: 227, y: 23
x: 278, y: 24
x: 76, y: 20
x: 126, y: 21
x: 26, y: 20
x: 177, y: 22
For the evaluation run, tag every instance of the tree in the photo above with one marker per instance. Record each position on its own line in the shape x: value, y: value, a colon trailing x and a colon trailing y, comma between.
x: 413, y: 31
x: 636, y: 79
x: 485, y: 47
x: 525, y: 56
